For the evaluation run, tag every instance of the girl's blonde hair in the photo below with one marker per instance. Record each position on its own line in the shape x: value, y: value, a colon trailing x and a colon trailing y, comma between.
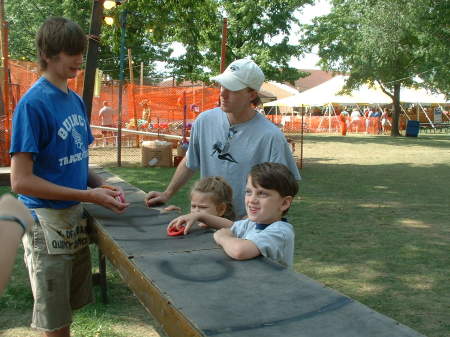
x: 221, y: 192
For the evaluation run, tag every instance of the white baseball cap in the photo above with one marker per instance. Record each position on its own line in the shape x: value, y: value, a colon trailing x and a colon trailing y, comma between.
x: 240, y: 74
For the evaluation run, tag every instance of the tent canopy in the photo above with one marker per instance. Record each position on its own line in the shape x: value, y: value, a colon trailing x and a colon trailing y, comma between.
x: 327, y: 93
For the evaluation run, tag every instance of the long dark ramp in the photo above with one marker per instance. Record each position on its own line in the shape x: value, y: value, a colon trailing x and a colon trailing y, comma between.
x: 193, y: 289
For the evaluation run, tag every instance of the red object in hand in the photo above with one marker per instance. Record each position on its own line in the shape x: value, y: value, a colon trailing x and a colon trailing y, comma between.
x: 173, y: 231
x: 120, y: 197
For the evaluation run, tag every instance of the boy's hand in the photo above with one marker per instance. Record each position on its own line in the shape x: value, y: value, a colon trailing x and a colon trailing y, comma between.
x: 185, y: 221
x: 121, y: 196
x: 111, y: 198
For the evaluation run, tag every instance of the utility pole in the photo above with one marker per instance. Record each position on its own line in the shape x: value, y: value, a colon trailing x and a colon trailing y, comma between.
x: 4, y: 150
x: 92, y: 55
x: 223, y: 54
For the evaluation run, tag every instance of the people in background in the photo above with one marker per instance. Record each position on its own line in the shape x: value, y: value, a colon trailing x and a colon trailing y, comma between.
x: 343, y: 118
x: 106, y: 115
x: 385, y: 123
x: 355, y: 118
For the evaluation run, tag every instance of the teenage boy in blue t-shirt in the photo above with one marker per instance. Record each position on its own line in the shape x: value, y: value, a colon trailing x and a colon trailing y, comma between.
x: 270, y: 190
x: 49, y: 171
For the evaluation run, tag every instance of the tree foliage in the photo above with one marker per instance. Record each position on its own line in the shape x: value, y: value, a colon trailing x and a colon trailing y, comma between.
x: 389, y: 42
x: 153, y: 25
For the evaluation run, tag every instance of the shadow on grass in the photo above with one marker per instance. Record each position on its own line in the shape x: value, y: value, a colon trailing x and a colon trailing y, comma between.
x: 381, y: 235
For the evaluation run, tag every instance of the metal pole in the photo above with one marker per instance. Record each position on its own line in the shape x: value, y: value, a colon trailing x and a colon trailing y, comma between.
x: 92, y: 54
x: 131, y: 90
x: 123, y: 22
x: 141, y: 82
x: 301, y: 138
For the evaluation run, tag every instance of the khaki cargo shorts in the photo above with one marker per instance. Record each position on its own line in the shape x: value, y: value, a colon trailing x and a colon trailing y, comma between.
x: 60, y: 283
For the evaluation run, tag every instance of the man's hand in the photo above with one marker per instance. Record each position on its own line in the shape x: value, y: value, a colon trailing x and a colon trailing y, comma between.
x: 154, y: 198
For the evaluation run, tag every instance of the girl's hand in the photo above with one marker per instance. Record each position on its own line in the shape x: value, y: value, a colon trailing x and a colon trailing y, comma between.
x: 185, y: 221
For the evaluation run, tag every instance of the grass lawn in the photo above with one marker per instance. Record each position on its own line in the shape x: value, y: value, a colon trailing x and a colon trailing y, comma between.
x: 372, y: 221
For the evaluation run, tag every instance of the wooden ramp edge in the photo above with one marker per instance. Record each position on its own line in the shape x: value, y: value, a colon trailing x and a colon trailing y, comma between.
x: 193, y: 289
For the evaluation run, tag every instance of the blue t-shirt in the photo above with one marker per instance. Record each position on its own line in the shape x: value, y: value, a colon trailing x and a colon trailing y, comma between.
x: 52, y: 125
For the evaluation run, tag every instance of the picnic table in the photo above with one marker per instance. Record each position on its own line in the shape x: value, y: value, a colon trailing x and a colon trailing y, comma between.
x: 441, y: 127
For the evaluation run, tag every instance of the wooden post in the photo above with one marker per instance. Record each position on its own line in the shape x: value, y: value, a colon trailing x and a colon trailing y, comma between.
x: 91, y: 56
x: 4, y: 155
x: 223, y: 54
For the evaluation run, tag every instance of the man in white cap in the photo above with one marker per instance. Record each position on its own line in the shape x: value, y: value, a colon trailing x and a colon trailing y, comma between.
x: 229, y: 140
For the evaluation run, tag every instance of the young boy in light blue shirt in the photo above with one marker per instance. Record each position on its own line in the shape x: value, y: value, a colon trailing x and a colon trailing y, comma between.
x: 270, y: 190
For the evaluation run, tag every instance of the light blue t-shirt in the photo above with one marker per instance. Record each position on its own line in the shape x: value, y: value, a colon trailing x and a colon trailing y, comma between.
x: 218, y: 149
x: 52, y: 125
x: 275, y: 242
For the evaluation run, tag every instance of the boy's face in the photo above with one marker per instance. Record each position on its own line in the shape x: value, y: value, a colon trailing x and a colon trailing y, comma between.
x: 264, y: 206
x: 203, y: 202
x: 64, y: 66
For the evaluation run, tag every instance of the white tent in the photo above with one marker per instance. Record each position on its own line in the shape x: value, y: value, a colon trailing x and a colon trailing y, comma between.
x: 327, y: 93
x: 410, y: 95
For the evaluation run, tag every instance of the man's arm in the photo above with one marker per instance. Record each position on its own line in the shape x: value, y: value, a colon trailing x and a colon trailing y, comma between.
x: 236, y: 248
x: 180, y: 177
x: 24, y: 181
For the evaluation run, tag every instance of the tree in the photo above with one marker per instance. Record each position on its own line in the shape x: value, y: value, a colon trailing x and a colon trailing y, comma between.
x: 388, y: 42
x: 152, y: 25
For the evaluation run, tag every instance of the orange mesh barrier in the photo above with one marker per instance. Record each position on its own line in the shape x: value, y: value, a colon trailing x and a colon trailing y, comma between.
x: 155, y: 107
x: 330, y: 124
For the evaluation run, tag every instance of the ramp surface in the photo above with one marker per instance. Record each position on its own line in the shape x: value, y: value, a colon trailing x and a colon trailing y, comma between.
x: 194, y: 289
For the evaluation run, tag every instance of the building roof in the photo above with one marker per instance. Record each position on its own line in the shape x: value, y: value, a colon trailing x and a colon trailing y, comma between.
x: 315, y: 78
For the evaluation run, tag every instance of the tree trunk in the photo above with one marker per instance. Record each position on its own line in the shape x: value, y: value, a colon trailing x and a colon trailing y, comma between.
x: 397, y: 111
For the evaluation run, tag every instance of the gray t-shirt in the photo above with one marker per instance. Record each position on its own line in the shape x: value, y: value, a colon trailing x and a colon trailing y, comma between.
x: 218, y: 149
x: 275, y: 242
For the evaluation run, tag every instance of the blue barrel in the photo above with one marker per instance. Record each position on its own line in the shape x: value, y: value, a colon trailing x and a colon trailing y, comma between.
x: 412, y: 128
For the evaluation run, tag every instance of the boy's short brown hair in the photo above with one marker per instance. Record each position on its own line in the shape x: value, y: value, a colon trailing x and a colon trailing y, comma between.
x: 274, y: 176
x: 58, y: 34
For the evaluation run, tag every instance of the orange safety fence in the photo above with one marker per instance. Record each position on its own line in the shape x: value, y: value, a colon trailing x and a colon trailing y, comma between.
x: 152, y: 107
x: 146, y: 108
x: 331, y: 124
